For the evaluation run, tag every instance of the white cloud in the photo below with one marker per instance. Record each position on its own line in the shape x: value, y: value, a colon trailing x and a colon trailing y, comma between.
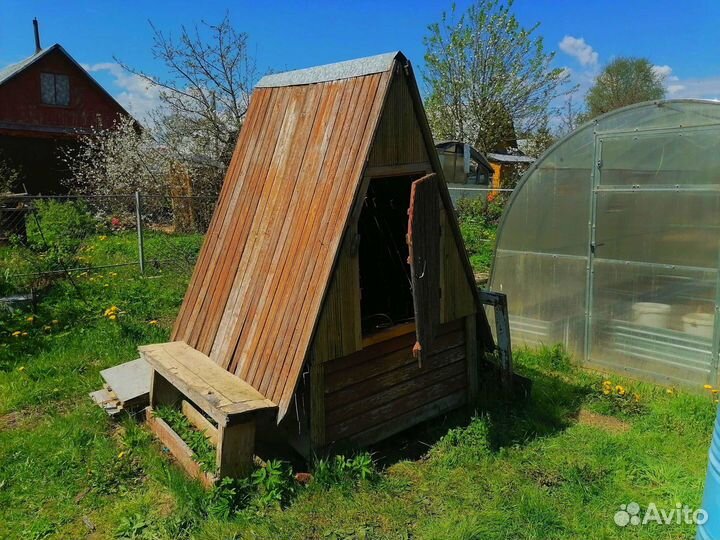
x: 701, y: 88
x: 674, y: 89
x: 135, y: 94
x: 579, y: 49
x: 664, y: 72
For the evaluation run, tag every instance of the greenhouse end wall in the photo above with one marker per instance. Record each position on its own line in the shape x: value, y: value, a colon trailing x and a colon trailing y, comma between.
x: 609, y: 244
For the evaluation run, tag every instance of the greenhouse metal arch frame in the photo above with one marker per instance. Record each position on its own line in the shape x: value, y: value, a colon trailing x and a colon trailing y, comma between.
x: 610, y: 244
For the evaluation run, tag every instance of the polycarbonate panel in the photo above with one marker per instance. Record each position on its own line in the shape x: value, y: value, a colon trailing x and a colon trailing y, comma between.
x: 453, y: 167
x: 665, y: 227
x: 676, y: 158
x: 655, y: 255
x: 653, y: 321
x: 546, y: 298
x: 550, y: 212
x: 663, y: 115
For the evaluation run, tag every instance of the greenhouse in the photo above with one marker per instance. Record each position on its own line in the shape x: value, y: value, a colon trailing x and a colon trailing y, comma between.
x: 609, y: 244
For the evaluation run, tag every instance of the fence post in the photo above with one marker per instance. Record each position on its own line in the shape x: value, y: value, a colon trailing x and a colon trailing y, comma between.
x: 138, y: 222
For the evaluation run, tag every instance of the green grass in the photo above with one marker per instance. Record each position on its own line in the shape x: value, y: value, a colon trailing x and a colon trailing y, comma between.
x: 519, y: 470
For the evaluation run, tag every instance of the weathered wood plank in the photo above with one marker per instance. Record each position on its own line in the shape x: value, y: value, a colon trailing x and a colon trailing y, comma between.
x: 359, y: 400
x: 235, y: 449
x: 217, y: 392
x: 364, y: 367
x: 383, y: 430
x: 197, y: 419
x: 178, y: 448
x: 392, y: 409
x: 471, y: 358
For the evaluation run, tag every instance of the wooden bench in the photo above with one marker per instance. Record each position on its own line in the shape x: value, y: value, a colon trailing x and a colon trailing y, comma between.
x: 186, y: 378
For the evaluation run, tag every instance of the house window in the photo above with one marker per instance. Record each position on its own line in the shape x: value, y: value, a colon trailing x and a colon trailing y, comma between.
x: 55, y: 89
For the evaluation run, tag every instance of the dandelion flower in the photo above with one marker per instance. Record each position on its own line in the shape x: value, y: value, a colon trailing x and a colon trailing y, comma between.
x: 715, y: 390
x: 103, y: 237
x: 708, y: 387
x: 606, y: 392
x: 21, y: 368
x: 24, y: 334
x: 30, y: 319
x: 607, y: 383
x: 112, y: 317
x: 121, y: 455
x: 620, y: 390
x: 153, y: 323
x: 669, y: 391
x: 16, y: 333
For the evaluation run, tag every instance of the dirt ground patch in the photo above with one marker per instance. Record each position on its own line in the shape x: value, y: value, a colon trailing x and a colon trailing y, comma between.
x: 606, y: 423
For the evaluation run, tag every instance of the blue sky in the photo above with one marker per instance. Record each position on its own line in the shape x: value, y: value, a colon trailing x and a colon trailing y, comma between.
x: 682, y: 39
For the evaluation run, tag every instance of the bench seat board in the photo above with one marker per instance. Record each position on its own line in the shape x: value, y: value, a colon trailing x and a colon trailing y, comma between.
x: 219, y: 393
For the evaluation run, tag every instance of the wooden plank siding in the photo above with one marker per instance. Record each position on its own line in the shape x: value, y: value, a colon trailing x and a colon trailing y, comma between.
x: 256, y: 291
x: 276, y: 284
x: 456, y: 298
x: 383, y: 383
x: 399, y: 139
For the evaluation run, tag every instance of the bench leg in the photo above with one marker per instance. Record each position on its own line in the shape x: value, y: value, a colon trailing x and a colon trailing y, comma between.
x: 162, y: 392
x: 236, y: 445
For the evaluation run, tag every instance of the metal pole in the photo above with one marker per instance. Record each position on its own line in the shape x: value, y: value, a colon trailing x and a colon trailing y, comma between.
x: 138, y: 221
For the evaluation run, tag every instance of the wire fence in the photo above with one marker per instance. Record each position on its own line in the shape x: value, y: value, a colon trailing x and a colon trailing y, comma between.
x: 43, y: 238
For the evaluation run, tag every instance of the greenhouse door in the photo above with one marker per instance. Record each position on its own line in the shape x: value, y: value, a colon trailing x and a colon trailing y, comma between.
x: 654, y: 234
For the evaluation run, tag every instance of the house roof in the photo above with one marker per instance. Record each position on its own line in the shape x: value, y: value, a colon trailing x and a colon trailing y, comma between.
x: 331, y: 72
x: 9, y: 72
x: 259, y: 284
x: 509, y: 158
x: 477, y: 156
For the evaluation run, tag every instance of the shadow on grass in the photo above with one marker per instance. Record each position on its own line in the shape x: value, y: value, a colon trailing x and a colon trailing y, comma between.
x: 553, y: 404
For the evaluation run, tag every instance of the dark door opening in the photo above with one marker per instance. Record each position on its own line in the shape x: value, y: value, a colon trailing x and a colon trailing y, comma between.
x: 385, y: 281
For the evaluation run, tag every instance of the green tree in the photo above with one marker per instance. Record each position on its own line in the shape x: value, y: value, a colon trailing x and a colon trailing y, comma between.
x: 622, y: 82
x: 487, y: 76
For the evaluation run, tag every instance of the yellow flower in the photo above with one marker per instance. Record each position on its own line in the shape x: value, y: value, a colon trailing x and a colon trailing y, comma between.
x: 636, y: 397
x: 113, y: 274
x: 105, y: 285
x: 47, y: 328
x: 607, y: 383
x: 16, y: 333
x: 30, y: 319
x: 103, y: 237
x: 21, y: 368
x: 715, y: 390
x: 620, y: 390
x: 153, y: 322
x: 708, y: 387
x: 606, y: 392
x: 121, y: 454
x: 112, y: 317
x: 715, y: 400
x: 670, y: 391
x: 24, y: 334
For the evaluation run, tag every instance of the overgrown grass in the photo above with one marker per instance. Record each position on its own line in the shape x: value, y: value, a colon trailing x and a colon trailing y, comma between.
x: 478, y: 221
x: 544, y: 468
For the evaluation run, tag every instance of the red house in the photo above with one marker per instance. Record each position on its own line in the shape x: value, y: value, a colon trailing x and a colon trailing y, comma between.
x: 47, y: 102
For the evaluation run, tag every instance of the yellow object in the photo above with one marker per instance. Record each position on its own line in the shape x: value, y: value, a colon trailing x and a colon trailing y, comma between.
x: 112, y: 317
x: 708, y: 387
